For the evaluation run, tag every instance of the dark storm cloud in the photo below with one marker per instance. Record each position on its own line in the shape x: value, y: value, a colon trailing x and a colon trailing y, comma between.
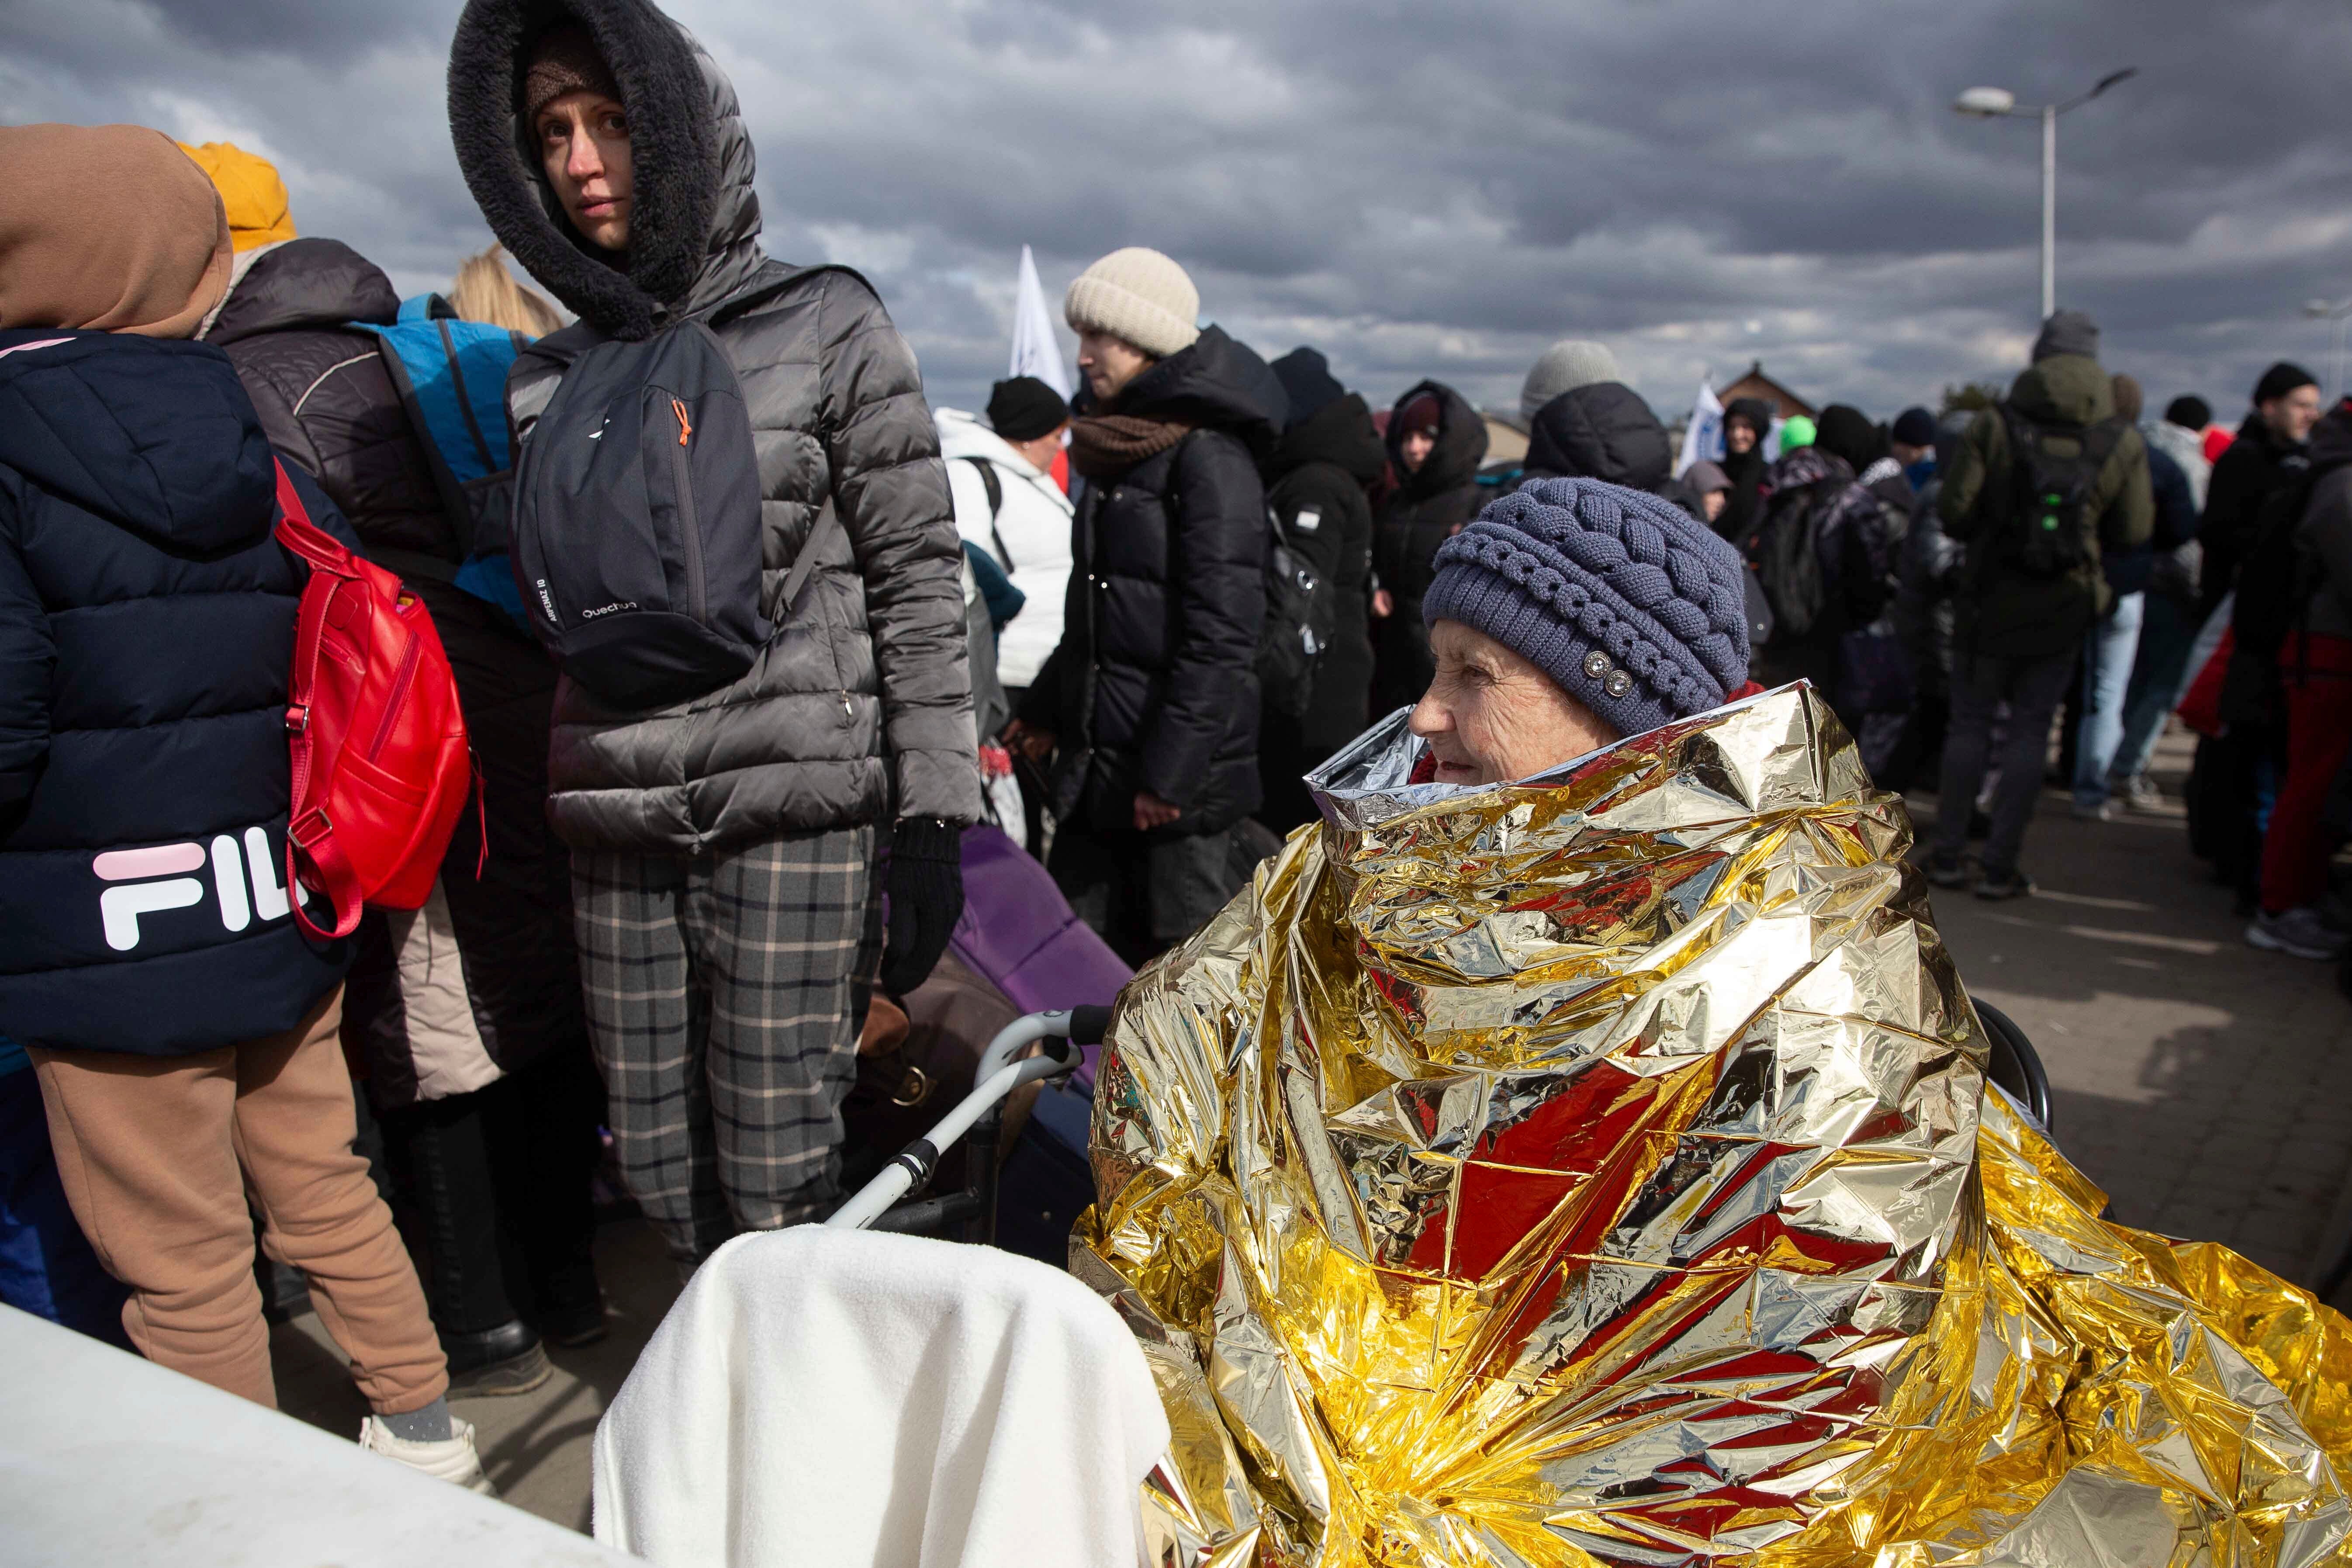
x: 1418, y: 189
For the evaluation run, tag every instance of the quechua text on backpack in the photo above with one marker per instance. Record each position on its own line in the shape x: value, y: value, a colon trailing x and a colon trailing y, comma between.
x: 380, y: 766
x: 636, y: 523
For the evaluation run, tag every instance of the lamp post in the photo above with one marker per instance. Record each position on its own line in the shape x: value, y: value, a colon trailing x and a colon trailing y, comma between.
x: 1997, y: 102
x: 2337, y: 314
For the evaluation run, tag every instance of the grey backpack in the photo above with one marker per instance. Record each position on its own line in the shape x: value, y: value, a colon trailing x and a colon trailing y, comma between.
x: 636, y: 521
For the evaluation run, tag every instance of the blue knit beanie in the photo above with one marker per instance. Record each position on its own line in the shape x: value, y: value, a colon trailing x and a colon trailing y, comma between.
x: 1630, y: 604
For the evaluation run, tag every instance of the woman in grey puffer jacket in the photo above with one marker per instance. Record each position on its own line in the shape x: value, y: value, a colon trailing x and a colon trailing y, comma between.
x: 726, y: 846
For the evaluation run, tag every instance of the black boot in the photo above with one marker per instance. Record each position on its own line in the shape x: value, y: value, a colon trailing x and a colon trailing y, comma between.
x: 504, y: 1360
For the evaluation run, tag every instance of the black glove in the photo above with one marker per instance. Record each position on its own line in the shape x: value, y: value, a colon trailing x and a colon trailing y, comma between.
x: 926, y: 889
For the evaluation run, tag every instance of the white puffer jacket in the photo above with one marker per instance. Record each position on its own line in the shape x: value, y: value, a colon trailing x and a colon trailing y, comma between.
x: 1033, y: 527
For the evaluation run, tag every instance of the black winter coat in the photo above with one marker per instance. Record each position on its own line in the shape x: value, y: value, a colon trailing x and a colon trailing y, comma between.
x: 1167, y: 601
x: 1604, y: 431
x: 324, y: 398
x: 146, y: 627
x: 1427, y: 508
x: 1320, y: 470
x: 2244, y: 478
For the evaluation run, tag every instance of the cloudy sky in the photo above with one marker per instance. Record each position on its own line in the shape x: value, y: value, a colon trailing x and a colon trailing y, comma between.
x: 1418, y: 189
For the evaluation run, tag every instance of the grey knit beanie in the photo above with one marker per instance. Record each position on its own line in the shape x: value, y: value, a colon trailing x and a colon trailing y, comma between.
x: 1565, y: 365
x: 2067, y: 333
x: 1140, y: 296
x: 1631, y: 605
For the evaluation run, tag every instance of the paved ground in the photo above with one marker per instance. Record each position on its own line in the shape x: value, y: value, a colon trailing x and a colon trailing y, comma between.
x: 2207, y: 1086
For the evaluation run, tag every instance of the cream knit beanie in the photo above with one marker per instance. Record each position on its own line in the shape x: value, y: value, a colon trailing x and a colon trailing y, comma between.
x: 1138, y: 296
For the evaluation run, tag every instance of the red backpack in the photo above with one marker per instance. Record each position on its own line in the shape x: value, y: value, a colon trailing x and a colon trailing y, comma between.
x: 380, y: 764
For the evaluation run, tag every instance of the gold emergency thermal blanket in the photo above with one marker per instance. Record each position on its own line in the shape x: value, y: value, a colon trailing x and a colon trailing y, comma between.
x: 1602, y: 1169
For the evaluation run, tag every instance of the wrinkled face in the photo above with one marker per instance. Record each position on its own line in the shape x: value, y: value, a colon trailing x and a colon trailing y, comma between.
x: 1416, y: 449
x: 1738, y: 436
x: 583, y: 146
x: 1108, y: 363
x: 1490, y: 716
x: 2290, y: 417
x: 1712, y: 503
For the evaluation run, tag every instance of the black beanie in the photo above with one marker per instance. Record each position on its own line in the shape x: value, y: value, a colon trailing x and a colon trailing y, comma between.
x: 2281, y: 379
x: 1025, y: 408
x: 1306, y: 376
x: 1914, y: 427
x: 1845, y: 431
x: 2190, y: 412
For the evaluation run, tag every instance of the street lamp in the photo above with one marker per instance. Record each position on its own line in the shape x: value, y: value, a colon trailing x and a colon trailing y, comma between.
x: 1994, y: 103
x: 2338, y: 314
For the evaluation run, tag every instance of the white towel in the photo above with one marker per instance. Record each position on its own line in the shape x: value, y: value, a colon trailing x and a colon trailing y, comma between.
x: 833, y: 1399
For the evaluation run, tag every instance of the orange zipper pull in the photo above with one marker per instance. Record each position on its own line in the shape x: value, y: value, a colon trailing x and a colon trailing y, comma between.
x: 684, y: 429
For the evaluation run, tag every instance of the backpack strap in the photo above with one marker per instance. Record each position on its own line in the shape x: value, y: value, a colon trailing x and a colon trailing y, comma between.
x: 828, y: 522
x: 996, y: 488
x: 311, y: 832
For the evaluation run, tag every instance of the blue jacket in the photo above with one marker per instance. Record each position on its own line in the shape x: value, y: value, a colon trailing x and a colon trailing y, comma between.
x: 146, y: 625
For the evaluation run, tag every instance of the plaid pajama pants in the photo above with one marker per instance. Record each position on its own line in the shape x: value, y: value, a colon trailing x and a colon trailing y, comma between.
x: 725, y: 994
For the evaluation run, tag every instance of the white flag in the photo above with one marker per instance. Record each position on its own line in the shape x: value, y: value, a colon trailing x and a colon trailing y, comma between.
x: 1702, y: 436
x: 1034, y: 352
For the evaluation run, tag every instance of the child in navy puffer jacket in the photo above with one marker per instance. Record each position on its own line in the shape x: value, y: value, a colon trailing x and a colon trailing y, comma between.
x: 181, y: 1027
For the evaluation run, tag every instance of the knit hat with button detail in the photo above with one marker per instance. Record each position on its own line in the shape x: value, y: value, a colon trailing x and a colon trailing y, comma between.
x: 1631, y: 605
x: 1139, y: 296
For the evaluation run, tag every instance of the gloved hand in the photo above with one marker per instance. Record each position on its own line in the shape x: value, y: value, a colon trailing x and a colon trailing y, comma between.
x: 926, y: 889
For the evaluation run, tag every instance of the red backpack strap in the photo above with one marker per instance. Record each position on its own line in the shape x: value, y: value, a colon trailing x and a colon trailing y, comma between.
x: 308, y: 835
x: 298, y: 534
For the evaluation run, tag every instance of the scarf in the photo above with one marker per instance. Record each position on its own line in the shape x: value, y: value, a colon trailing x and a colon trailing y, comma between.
x: 1103, y: 446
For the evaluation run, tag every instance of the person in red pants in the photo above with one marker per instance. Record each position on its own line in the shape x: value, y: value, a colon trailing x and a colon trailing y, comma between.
x: 2315, y: 674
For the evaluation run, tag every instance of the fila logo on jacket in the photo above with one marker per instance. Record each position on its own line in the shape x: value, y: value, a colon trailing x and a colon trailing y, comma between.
x: 167, y: 877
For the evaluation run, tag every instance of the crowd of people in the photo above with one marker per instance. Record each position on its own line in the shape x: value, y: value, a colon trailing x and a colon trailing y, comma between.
x: 1123, y: 628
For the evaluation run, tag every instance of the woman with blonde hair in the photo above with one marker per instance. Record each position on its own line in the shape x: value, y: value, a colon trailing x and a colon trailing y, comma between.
x: 487, y: 292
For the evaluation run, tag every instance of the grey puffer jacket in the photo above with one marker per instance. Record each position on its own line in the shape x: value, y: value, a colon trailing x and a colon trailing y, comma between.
x: 860, y: 705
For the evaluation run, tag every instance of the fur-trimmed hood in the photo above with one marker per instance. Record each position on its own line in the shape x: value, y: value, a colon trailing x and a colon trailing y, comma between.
x: 695, y: 227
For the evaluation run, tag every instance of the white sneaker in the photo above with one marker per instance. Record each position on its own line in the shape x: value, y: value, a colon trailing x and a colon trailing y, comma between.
x: 453, y: 1458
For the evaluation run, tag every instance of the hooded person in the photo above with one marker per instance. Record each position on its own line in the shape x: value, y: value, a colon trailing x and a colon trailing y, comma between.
x: 2023, y: 604
x: 1580, y: 1147
x: 480, y: 987
x: 183, y: 1028
x: 727, y: 865
x: 1747, y: 421
x: 1435, y: 443
x: 1599, y: 431
x: 1318, y: 480
x: 1152, y: 696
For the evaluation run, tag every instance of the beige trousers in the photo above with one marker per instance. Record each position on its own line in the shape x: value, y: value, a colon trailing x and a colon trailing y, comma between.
x: 157, y: 1153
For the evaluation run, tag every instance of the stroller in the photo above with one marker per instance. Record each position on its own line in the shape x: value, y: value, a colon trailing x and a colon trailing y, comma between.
x: 865, y: 1392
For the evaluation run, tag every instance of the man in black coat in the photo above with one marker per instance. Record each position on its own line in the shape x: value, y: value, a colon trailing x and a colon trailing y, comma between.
x: 1435, y: 442
x: 2272, y: 449
x: 1318, y: 477
x: 1152, y: 696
